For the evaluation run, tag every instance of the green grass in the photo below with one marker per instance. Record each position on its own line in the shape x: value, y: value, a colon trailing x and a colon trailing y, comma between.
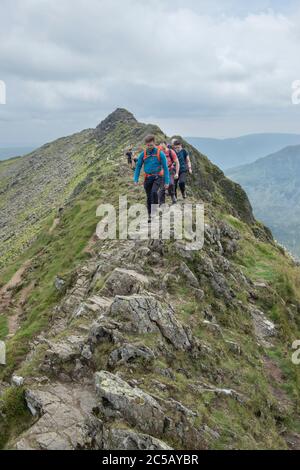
x: 235, y: 223
x: 14, y: 414
x: 62, y: 252
x: 259, y: 260
x: 290, y: 371
x: 58, y: 254
x: 3, y: 327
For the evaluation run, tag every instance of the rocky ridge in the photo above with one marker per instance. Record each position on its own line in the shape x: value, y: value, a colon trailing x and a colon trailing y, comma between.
x: 146, y: 345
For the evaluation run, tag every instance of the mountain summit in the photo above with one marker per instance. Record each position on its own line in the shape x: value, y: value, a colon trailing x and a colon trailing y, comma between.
x: 118, y: 116
x: 139, y: 344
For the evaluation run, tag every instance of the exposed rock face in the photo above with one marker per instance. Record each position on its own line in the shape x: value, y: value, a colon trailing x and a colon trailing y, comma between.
x: 59, y: 283
x: 129, y: 353
x: 63, y: 422
x: 148, y: 414
x: 113, y: 120
x: 63, y: 352
x: 189, y: 275
x: 117, y: 398
x: 125, y: 281
x: 264, y: 328
x: 129, y: 440
x: 145, y: 344
x: 144, y: 314
x: 17, y: 380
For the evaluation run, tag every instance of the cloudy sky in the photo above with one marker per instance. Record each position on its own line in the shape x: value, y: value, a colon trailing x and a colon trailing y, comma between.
x: 196, y: 67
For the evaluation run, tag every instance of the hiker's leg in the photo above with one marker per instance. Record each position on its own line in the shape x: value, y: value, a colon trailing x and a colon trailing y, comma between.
x: 176, y: 185
x: 161, y: 195
x: 156, y: 187
x: 148, y: 187
x: 172, y: 187
x: 182, y: 178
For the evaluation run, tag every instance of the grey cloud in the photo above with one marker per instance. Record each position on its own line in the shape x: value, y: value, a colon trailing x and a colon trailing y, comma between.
x: 73, y: 61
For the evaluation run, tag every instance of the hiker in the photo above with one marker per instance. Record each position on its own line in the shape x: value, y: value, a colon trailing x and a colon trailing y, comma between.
x: 185, y: 165
x: 173, y: 165
x: 129, y: 154
x: 156, y: 171
x: 135, y: 158
x: 172, y: 143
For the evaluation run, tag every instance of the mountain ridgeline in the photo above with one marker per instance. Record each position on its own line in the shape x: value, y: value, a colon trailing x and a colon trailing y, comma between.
x: 139, y: 344
x: 233, y: 152
x: 273, y: 186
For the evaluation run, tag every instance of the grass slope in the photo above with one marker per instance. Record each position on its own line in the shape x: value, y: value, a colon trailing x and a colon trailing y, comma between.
x: 60, y: 252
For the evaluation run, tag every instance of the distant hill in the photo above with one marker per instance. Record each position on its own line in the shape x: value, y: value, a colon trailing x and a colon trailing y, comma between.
x: 9, y: 152
x: 229, y: 153
x: 273, y: 186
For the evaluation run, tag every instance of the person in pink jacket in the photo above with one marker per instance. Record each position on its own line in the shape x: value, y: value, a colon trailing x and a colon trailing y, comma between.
x: 173, y: 165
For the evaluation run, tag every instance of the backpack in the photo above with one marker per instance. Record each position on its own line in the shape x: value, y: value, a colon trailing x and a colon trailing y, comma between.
x: 157, y: 155
x: 170, y: 156
x: 153, y: 155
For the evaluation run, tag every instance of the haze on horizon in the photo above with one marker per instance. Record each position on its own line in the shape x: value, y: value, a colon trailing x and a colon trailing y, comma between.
x: 195, y: 67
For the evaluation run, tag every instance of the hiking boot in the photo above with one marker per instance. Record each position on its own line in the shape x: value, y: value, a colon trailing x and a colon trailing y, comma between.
x: 184, y: 195
x: 174, y: 200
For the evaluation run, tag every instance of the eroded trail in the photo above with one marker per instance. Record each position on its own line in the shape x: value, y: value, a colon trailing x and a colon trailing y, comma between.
x: 11, y: 306
x: 119, y: 339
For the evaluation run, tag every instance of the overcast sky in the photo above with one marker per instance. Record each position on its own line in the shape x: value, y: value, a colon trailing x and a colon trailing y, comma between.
x: 196, y: 67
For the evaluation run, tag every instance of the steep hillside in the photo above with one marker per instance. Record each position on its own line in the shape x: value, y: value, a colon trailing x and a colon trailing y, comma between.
x: 273, y: 186
x: 130, y: 344
x: 33, y: 186
x: 229, y: 153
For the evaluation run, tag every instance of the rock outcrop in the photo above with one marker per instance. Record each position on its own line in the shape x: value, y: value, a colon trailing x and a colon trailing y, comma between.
x: 141, y: 344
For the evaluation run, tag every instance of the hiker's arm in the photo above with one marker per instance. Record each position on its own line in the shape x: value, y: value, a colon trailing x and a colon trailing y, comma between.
x: 176, y: 161
x: 138, y: 168
x: 177, y: 166
x: 165, y: 167
x: 188, y: 160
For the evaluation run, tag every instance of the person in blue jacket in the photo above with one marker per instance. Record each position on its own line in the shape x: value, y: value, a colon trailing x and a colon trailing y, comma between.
x: 156, y: 171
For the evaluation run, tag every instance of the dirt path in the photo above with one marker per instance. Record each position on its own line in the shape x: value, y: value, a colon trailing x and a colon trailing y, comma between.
x: 54, y: 225
x: 276, y: 376
x: 14, y: 320
x: 90, y: 245
x: 277, y: 379
x: 16, y: 279
x: 9, y: 304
